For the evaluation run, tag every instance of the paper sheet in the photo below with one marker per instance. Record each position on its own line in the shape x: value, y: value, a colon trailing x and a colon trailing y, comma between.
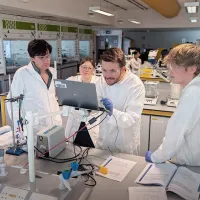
x: 157, y: 174
x: 147, y: 193
x: 117, y: 168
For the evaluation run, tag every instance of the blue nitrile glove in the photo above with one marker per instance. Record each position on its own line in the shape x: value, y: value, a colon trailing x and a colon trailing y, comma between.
x: 148, y: 156
x: 108, y: 105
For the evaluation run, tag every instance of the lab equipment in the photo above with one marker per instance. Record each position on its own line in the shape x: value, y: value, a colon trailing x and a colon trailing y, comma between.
x: 108, y: 105
x: 83, y: 137
x: 76, y: 94
x: 174, y: 95
x: 76, y: 119
x: 14, y: 149
x: 152, y: 56
x: 151, y: 92
x: 48, y: 138
x: 2, y: 164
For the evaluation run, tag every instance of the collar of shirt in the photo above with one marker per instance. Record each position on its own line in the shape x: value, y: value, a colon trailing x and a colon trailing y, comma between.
x: 48, y: 73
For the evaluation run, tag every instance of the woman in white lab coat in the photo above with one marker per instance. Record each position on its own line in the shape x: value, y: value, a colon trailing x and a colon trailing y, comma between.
x: 135, y: 63
x: 75, y: 117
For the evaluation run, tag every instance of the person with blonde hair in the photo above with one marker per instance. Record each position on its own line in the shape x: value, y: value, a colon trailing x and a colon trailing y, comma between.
x: 181, y: 143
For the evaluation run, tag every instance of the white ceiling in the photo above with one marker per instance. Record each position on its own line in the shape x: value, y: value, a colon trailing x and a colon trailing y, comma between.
x: 77, y: 11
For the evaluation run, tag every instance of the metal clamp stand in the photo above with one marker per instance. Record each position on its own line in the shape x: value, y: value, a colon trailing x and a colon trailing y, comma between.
x: 14, y: 150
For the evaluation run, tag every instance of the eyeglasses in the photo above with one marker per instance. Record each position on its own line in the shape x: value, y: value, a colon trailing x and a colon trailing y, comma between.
x: 87, y: 68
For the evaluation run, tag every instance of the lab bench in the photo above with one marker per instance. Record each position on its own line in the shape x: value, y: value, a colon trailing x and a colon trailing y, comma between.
x: 105, y: 189
x: 153, y: 126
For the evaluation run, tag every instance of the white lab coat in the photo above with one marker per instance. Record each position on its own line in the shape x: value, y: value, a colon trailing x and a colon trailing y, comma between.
x: 128, y: 100
x: 181, y: 142
x: 134, y: 66
x: 37, y: 98
x: 75, y: 117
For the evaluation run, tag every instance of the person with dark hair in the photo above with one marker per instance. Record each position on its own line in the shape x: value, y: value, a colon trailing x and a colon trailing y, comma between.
x: 135, y: 63
x: 144, y: 59
x: 35, y: 82
x: 75, y: 117
x: 164, y: 53
x: 122, y: 94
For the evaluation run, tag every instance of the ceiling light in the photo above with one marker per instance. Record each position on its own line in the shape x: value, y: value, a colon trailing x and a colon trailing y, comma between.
x: 24, y: 1
x: 120, y: 21
x: 191, y: 7
x: 100, y: 10
x: 193, y: 19
x: 134, y: 21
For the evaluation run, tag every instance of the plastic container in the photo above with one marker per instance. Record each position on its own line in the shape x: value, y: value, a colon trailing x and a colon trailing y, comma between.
x: 151, y: 89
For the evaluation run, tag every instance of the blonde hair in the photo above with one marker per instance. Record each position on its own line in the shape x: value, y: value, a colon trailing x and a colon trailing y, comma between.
x: 184, y: 55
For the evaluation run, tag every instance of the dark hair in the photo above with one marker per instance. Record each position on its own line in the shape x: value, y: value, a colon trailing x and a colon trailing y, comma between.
x: 144, y: 57
x: 135, y: 52
x: 87, y: 59
x: 114, y: 55
x: 164, y: 52
x: 38, y: 47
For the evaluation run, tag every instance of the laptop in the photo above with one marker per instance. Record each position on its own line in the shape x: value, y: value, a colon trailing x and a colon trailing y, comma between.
x: 76, y: 94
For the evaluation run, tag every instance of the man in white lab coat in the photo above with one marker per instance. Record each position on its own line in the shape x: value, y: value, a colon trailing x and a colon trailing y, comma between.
x: 122, y: 93
x: 36, y: 82
x: 181, y: 143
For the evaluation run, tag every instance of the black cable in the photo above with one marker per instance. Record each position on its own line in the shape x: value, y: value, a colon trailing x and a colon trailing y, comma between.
x: 98, y: 123
x: 95, y: 182
x: 74, y: 146
x: 94, y: 119
x: 117, y: 133
x: 81, y: 166
x: 83, y: 155
x: 58, y: 160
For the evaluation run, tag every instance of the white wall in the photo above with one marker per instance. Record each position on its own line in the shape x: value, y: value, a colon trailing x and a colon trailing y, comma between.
x: 164, y: 39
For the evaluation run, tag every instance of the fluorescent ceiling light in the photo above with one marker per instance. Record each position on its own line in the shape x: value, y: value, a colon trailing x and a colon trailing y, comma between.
x: 100, y: 10
x: 193, y: 19
x: 134, y: 21
x: 191, y: 7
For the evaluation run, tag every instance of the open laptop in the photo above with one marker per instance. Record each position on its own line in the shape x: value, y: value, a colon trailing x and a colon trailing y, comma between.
x: 76, y: 94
